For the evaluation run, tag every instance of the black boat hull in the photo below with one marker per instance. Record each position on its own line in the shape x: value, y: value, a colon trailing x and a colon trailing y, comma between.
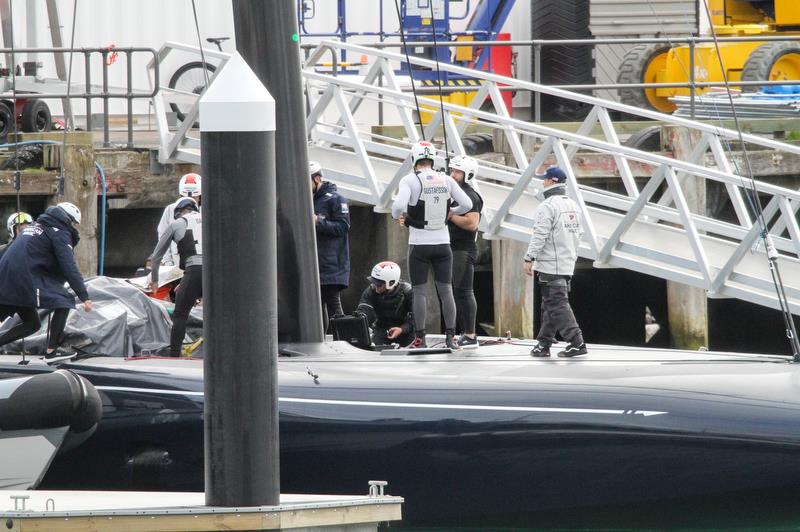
x: 491, y: 438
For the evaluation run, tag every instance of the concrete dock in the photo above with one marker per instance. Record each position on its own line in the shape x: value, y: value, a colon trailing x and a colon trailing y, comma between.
x: 56, y: 511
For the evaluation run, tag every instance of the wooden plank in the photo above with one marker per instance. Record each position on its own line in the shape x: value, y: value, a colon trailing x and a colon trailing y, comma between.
x: 286, y: 518
x: 32, y: 183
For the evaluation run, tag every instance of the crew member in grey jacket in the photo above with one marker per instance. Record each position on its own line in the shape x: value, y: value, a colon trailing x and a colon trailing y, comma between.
x: 552, y: 253
x: 186, y: 232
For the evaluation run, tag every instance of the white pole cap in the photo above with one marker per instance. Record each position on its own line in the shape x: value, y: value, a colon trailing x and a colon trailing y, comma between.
x: 237, y: 100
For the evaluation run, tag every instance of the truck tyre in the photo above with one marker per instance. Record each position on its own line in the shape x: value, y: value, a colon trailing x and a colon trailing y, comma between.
x: 772, y: 61
x: 36, y: 117
x: 6, y: 122
x: 563, y: 65
x: 640, y: 65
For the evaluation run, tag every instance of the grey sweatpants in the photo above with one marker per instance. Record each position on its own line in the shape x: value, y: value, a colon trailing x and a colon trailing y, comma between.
x: 557, y: 315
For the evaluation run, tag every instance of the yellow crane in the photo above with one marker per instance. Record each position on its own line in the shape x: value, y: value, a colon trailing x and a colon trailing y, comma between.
x: 743, y: 61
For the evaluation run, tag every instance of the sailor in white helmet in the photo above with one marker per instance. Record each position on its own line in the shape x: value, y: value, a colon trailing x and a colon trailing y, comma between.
x: 185, y: 231
x: 388, y: 304
x: 34, y: 272
x: 423, y: 205
x: 463, y: 241
x: 190, y: 186
x: 15, y: 225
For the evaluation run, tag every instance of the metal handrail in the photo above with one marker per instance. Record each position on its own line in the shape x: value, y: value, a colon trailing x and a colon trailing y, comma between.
x: 84, y: 90
x: 628, y: 229
x: 538, y: 44
x: 638, y: 230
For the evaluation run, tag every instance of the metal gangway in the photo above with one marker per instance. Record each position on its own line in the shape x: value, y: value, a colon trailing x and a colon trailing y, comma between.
x: 650, y: 229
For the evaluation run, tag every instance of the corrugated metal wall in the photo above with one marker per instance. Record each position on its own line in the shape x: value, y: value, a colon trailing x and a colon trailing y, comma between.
x: 635, y: 18
x: 611, y: 18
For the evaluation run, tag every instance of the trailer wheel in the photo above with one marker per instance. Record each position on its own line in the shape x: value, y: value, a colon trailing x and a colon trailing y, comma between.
x: 6, y: 121
x: 647, y: 139
x: 773, y: 61
x: 641, y: 65
x: 36, y: 117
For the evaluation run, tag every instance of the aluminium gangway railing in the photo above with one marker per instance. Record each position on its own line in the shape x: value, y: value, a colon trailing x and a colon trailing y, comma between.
x: 650, y: 229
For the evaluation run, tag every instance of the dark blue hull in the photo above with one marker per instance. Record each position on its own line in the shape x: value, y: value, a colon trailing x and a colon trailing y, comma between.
x: 489, y: 439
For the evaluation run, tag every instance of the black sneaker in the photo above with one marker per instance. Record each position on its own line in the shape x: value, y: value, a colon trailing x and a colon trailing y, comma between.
x: 573, y: 351
x: 541, y: 350
x: 59, y: 355
x: 418, y: 343
x: 450, y: 340
x: 468, y: 343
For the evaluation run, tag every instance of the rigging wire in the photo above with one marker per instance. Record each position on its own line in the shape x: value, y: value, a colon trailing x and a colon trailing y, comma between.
x: 439, y: 85
x: 772, y: 253
x: 69, y: 86
x: 750, y: 189
x: 17, y: 175
x: 200, y: 43
x: 723, y: 140
x: 410, y: 72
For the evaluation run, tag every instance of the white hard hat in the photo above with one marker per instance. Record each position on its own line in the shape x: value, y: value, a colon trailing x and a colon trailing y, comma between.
x: 386, y: 272
x: 422, y: 150
x: 190, y: 185
x: 314, y: 168
x: 466, y: 164
x: 184, y: 203
x: 72, y: 211
x: 16, y: 219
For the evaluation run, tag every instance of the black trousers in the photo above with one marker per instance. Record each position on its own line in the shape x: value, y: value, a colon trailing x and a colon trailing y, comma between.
x: 463, y: 279
x: 557, y: 315
x: 31, y: 322
x: 189, y: 291
x: 331, y: 301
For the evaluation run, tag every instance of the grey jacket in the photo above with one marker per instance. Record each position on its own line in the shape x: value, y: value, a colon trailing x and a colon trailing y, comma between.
x: 174, y: 233
x: 556, y: 234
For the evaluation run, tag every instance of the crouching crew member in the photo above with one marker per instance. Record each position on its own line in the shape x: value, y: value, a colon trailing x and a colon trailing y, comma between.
x: 32, y: 275
x: 186, y: 231
x: 388, y: 304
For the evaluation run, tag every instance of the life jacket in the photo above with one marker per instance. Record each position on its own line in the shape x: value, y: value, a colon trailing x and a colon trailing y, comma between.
x: 192, y: 242
x: 433, y: 204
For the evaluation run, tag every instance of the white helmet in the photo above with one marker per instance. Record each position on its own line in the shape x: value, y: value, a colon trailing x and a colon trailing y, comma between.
x: 386, y: 272
x: 466, y: 164
x: 190, y: 185
x: 314, y: 168
x: 72, y: 211
x: 16, y: 219
x: 422, y: 150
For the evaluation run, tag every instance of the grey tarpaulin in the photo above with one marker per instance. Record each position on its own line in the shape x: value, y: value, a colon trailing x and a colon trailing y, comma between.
x: 124, y: 322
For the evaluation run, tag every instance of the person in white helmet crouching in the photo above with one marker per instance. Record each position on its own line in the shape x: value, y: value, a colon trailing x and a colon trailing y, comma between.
x: 388, y: 304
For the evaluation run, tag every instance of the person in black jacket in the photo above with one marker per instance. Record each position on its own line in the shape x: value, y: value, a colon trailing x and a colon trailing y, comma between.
x: 332, y: 222
x: 463, y: 237
x: 32, y: 275
x: 387, y: 302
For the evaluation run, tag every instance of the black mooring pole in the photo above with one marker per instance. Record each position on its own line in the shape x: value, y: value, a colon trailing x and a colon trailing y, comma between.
x: 267, y: 38
x: 237, y: 124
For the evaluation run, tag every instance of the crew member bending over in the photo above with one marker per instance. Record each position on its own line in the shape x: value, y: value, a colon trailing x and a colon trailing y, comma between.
x: 186, y: 231
x: 387, y: 302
